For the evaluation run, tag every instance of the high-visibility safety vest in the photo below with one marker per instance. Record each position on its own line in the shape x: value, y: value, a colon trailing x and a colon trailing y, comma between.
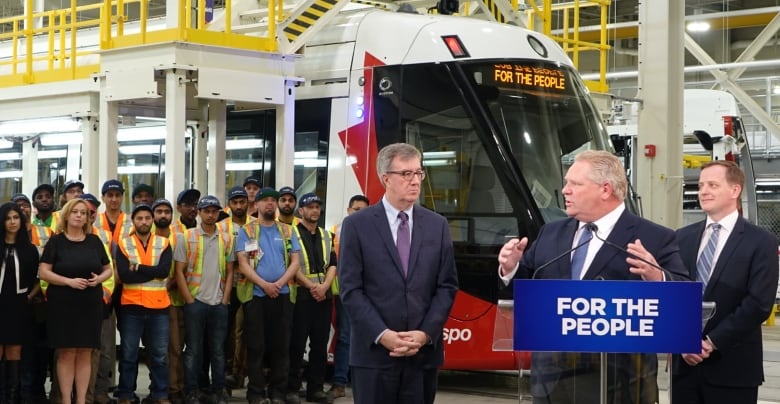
x: 245, y: 288
x: 195, y: 250
x: 231, y: 227
x: 326, y: 238
x: 55, y: 220
x: 174, y: 294
x: 39, y: 236
x: 336, y: 230
x: 151, y: 294
x: 123, y: 225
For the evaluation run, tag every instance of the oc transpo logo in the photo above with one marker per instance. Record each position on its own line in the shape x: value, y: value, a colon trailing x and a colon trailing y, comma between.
x: 451, y: 335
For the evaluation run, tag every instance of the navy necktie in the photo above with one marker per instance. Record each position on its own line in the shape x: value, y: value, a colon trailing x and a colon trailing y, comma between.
x: 403, y: 241
x: 578, y: 258
x: 704, y: 264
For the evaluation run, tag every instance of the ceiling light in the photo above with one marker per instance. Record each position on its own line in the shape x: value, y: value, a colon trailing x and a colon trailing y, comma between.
x: 35, y: 126
x: 776, y: 90
x: 698, y: 26
x: 243, y: 144
x: 62, y: 139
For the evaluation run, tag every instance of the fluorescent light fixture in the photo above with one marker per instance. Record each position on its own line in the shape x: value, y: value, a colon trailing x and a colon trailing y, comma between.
x: 141, y: 149
x: 35, y: 126
x: 310, y: 163
x: 306, y: 154
x: 62, y: 139
x: 11, y: 174
x: 10, y: 156
x: 438, y: 162
x: 140, y: 133
x: 244, y: 144
x: 6, y: 144
x: 698, y: 26
x: 52, y: 154
x: 439, y: 155
x: 776, y: 90
x: 147, y: 169
x: 243, y: 166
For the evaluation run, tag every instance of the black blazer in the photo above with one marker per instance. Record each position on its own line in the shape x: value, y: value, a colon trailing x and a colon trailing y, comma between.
x: 376, y: 294
x: 743, y: 285
x: 28, y: 264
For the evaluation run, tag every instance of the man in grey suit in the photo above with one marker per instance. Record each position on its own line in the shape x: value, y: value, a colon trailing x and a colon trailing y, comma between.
x: 737, y: 262
x: 398, y: 282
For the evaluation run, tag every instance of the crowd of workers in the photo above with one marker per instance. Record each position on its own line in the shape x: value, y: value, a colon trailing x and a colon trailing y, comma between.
x: 218, y: 296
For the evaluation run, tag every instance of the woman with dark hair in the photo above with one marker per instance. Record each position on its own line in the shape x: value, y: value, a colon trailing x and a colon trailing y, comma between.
x: 18, y: 277
x: 75, y: 264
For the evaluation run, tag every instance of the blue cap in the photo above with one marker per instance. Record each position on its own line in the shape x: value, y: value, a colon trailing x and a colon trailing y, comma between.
x: 91, y: 199
x: 252, y: 180
x: 140, y: 207
x: 287, y: 191
x: 161, y: 201
x: 209, y: 201
x: 20, y: 197
x: 266, y: 192
x: 112, y: 185
x: 188, y: 195
x: 308, y: 199
x: 237, y: 192
x: 72, y: 183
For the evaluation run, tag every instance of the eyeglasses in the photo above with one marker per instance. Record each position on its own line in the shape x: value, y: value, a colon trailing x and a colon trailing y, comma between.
x: 409, y: 174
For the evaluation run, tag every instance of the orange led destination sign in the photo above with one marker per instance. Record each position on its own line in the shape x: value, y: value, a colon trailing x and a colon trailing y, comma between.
x: 529, y: 76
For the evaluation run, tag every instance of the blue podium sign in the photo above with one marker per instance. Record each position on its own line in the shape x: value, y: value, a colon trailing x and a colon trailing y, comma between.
x: 607, y: 316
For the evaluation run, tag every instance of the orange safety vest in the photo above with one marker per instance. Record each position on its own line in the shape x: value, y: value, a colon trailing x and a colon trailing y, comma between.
x: 39, y: 236
x: 151, y: 294
x: 123, y: 225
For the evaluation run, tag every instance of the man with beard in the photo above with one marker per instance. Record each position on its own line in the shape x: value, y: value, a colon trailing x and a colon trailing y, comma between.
x: 313, y: 301
x: 113, y: 220
x: 287, y: 202
x: 143, y: 262
x: 234, y: 346
x: 186, y: 204
x: 204, y: 267
x: 162, y: 211
x: 43, y: 201
x: 268, y: 258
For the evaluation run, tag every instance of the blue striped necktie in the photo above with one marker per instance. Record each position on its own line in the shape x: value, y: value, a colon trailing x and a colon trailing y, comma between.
x: 704, y: 264
x: 578, y: 258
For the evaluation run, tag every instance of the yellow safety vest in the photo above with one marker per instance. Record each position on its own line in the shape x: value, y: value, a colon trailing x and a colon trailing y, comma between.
x: 174, y: 294
x: 327, y: 242
x: 39, y: 236
x: 55, y: 220
x: 245, y: 288
x: 151, y: 294
x: 195, y: 258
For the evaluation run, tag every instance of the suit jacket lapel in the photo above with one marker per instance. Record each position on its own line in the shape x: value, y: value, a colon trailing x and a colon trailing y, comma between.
x: 728, y: 249
x: 621, y: 235
x: 383, y: 227
x: 691, y: 255
x: 417, y: 237
x: 565, y: 243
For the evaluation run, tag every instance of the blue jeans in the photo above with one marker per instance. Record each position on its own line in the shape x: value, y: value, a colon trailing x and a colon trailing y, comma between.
x: 152, y: 325
x: 341, y: 356
x: 204, y: 321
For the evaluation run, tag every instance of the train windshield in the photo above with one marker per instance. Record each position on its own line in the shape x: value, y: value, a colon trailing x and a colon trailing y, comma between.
x: 497, y: 138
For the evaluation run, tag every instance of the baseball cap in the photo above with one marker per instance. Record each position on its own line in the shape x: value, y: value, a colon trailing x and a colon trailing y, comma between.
x: 20, y: 197
x: 72, y: 183
x: 112, y: 185
x: 237, y: 192
x: 191, y: 194
x: 161, y: 201
x: 91, y: 199
x: 43, y: 187
x: 252, y: 180
x: 308, y: 199
x: 142, y: 188
x: 265, y: 193
x: 209, y: 201
x: 287, y: 191
x: 140, y: 207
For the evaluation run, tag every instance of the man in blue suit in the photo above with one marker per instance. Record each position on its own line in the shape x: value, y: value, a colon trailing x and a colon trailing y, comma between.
x: 737, y: 263
x: 398, y: 282
x: 594, y: 190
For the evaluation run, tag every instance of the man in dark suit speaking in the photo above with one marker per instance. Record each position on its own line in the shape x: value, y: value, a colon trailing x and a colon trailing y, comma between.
x: 594, y: 191
x: 737, y: 263
x: 397, y: 281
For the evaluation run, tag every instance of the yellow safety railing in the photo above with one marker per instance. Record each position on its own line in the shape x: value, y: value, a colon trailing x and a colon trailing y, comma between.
x: 568, y: 14
x: 69, y: 55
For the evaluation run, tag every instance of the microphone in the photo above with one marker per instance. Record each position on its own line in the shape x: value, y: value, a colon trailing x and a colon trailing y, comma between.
x: 565, y: 253
x: 595, y: 230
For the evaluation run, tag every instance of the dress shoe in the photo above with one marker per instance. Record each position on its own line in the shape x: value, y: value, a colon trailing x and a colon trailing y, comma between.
x: 337, y: 391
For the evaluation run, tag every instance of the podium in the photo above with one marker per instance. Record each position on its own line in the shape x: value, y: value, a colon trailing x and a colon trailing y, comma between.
x: 601, y: 334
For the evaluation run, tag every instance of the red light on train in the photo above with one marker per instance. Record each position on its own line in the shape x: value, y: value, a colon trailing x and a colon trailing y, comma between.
x: 455, y: 46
